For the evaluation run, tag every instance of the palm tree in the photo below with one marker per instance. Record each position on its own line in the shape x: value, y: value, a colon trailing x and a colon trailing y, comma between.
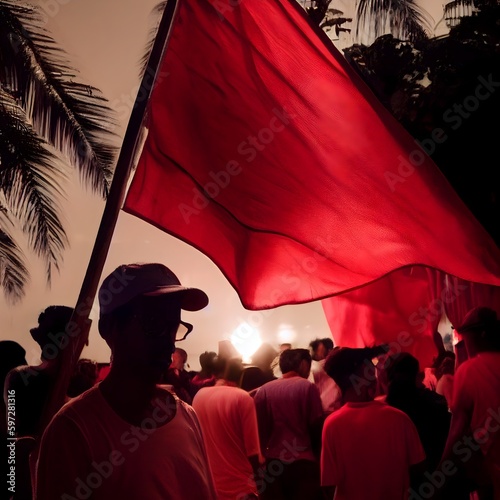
x: 404, y: 19
x: 44, y: 115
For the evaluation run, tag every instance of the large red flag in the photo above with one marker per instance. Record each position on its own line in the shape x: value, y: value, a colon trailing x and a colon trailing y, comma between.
x: 270, y: 155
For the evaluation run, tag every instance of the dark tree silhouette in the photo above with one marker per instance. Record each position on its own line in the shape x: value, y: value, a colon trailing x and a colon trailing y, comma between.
x: 48, y: 120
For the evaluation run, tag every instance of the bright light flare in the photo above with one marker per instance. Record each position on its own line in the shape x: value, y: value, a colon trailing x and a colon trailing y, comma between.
x: 246, y: 340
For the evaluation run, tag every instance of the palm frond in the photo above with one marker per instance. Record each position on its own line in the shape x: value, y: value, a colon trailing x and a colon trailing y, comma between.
x: 157, y: 11
x: 73, y: 117
x: 30, y: 182
x: 13, y: 272
x: 404, y: 19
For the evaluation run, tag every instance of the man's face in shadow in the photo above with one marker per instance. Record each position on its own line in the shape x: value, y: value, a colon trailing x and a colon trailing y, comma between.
x: 146, y: 340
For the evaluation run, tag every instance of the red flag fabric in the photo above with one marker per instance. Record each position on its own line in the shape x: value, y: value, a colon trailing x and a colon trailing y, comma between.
x: 402, y: 310
x: 270, y: 155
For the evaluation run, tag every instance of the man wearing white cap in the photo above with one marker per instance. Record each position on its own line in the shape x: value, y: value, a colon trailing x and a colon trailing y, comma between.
x: 127, y: 437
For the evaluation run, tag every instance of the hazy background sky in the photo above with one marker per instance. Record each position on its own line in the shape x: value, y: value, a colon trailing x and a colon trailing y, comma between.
x: 105, y: 40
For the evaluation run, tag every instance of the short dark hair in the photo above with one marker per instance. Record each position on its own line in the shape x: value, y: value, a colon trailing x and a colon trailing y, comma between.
x: 326, y: 341
x: 55, y: 320
x: 290, y: 359
x: 344, y: 362
x: 314, y: 344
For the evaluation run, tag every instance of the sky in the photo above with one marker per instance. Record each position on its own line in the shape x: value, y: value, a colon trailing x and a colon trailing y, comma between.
x: 104, y: 41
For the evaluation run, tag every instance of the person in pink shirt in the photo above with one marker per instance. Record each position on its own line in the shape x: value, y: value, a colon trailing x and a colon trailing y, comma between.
x: 474, y: 437
x: 229, y: 423
x: 369, y: 449
x: 290, y: 418
x: 128, y: 437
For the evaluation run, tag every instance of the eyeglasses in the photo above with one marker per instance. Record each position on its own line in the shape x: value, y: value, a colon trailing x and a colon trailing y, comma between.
x: 183, y: 330
x: 157, y: 326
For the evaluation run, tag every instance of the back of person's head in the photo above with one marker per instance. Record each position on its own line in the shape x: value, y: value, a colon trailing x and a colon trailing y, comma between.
x: 437, y: 361
x: 233, y: 370
x: 84, y: 377
x: 328, y: 343
x: 320, y: 348
x: 12, y: 355
x: 314, y: 344
x: 347, y: 367
x: 403, y: 370
x: 481, y: 326
x: 207, y: 360
x: 50, y: 334
x: 252, y: 377
x: 219, y: 367
x: 292, y: 360
x: 447, y: 367
x: 179, y: 358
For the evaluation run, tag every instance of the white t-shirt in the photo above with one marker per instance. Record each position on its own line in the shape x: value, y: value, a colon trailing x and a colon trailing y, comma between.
x: 367, y: 450
x: 229, y: 424
x: 87, y: 449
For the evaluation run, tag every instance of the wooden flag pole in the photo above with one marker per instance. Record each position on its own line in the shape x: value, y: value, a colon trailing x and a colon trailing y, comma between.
x: 78, y: 329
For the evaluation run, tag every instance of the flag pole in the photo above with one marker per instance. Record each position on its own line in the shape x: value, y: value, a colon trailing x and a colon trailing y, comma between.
x: 78, y: 329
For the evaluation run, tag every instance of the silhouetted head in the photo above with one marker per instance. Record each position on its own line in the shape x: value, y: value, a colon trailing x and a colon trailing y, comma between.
x: 140, y: 315
x: 207, y: 360
x: 320, y: 348
x: 353, y: 370
x: 403, y: 370
x: 481, y: 329
x: 295, y: 360
x: 11, y: 356
x: 50, y: 333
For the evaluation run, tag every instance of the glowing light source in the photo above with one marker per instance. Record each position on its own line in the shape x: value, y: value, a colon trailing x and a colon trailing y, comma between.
x: 246, y: 340
x: 286, y: 334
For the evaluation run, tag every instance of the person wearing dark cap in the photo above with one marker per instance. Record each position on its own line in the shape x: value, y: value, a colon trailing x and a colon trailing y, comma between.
x: 128, y: 437
x: 369, y: 449
x: 474, y: 438
x: 32, y: 386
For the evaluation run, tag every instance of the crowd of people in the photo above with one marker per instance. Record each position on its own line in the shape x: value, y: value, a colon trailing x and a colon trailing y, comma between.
x: 315, y: 422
